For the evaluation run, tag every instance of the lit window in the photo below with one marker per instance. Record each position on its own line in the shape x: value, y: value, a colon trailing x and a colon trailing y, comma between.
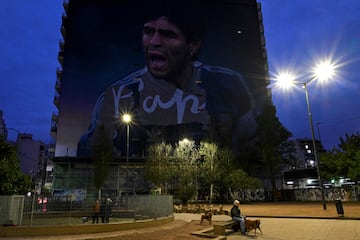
x: 309, y: 151
x: 306, y: 146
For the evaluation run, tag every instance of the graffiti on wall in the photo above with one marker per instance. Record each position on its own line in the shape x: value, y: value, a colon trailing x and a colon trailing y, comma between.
x: 331, y: 194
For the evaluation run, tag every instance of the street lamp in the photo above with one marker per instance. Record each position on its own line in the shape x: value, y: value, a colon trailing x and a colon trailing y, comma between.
x: 126, y: 118
x: 322, y: 72
x: 314, y: 144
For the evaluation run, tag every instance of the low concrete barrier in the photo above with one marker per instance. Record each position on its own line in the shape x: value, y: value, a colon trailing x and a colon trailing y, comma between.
x: 80, y: 229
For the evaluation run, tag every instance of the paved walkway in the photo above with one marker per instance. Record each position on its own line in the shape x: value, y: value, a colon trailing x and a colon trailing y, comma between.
x: 295, y: 228
x: 273, y: 229
x: 281, y: 221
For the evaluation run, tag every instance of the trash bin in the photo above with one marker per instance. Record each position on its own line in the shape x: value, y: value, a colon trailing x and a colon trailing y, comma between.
x: 339, y: 207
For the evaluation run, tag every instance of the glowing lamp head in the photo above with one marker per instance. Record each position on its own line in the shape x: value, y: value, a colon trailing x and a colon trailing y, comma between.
x: 285, y: 80
x: 324, y: 71
x: 126, y: 118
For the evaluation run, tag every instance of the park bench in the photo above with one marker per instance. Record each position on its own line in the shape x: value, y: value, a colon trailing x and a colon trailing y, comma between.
x: 219, y: 228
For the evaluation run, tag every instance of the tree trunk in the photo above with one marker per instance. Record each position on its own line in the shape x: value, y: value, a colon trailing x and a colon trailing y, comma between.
x: 99, y: 193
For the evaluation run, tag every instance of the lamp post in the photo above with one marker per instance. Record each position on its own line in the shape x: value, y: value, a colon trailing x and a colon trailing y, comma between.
x: 314, y: 144
x: 126, y: 118
x: 322, y: 72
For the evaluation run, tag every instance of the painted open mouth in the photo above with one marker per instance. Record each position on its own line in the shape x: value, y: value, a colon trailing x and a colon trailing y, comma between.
x: 157, y: 61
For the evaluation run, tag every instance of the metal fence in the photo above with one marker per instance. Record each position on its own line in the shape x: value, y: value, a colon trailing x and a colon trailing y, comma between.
x: 41, y: 211
x: 11, y: 210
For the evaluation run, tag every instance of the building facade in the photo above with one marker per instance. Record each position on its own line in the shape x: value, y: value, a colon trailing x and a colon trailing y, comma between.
x: 302, y: 173
x: 100, y: 44
x: 33, y: 157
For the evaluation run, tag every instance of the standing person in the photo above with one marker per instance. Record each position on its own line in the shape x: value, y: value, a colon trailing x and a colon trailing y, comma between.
x: 105, y: 210
x: 108, y: 210
x: 96, y: 212
x: 236, y: 216
x: 174, y: 95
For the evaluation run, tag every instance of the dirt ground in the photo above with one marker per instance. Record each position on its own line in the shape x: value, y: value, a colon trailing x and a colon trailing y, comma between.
x: 176, y: 230
x: 182, y: 230
x: 186, y: 223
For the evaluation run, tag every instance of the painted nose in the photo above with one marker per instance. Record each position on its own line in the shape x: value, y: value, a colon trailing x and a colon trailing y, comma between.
x: 156, y: 39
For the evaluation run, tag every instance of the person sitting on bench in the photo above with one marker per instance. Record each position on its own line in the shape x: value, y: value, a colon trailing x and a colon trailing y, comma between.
x: 236, y: 215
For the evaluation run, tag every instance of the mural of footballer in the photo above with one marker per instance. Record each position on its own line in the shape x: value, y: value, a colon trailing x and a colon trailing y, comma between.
x: 174, y: 96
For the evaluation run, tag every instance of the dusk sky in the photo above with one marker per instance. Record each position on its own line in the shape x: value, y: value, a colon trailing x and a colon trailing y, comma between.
x: 298, y: 33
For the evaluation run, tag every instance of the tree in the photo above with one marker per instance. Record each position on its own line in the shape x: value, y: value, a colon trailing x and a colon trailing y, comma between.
x: 216, y: 164
x: 238, y: 179
x: 158, y: 167
x: 210, y: 165
x: 227, y: 164
x: 186, y: 164
x: 12, y: 180
x: 273, y: 145
x: 185, y: 170
x: 101, y: 154
x: 175, y: 165
x: 343, y: 160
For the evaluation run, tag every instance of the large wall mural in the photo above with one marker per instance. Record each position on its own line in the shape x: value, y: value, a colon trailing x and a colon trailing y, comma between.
x: 191, y: 69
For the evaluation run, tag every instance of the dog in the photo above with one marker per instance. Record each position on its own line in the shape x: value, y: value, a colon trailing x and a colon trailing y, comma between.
x: 252, y: 224
x: 206, y: 216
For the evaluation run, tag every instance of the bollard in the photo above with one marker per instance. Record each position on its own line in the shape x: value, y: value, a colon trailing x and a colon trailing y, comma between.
x: 339, y: 207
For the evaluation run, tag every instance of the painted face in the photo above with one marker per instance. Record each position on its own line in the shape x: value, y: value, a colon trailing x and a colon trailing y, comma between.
x: 167, y: 52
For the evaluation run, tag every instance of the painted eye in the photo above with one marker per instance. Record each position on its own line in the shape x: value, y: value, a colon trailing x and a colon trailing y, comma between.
x: 169, y: 34
x: 148, y: 30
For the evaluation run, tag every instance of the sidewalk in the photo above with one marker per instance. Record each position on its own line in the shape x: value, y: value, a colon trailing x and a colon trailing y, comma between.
x: 305, y: 229
x: 280, y: 228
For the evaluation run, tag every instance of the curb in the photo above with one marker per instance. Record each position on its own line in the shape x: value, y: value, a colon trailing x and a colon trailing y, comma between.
x: 307, y: 217
x: 41, y: 231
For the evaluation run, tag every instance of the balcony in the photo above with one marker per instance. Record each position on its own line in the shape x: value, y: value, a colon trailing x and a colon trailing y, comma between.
x: 51, y: 147
x: 262, y: 40
x: 57, y: 101
x: 61, y: 45
x: 58, y: 85
x: 66, y: 6
x: 55, y: 118
x: 59, y: 73
x: 54, y: 127
x: 64, y: 18
x: 63, y: 31
x: 53, y: 133
x: 260, y: 16
x: 61, y: 60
